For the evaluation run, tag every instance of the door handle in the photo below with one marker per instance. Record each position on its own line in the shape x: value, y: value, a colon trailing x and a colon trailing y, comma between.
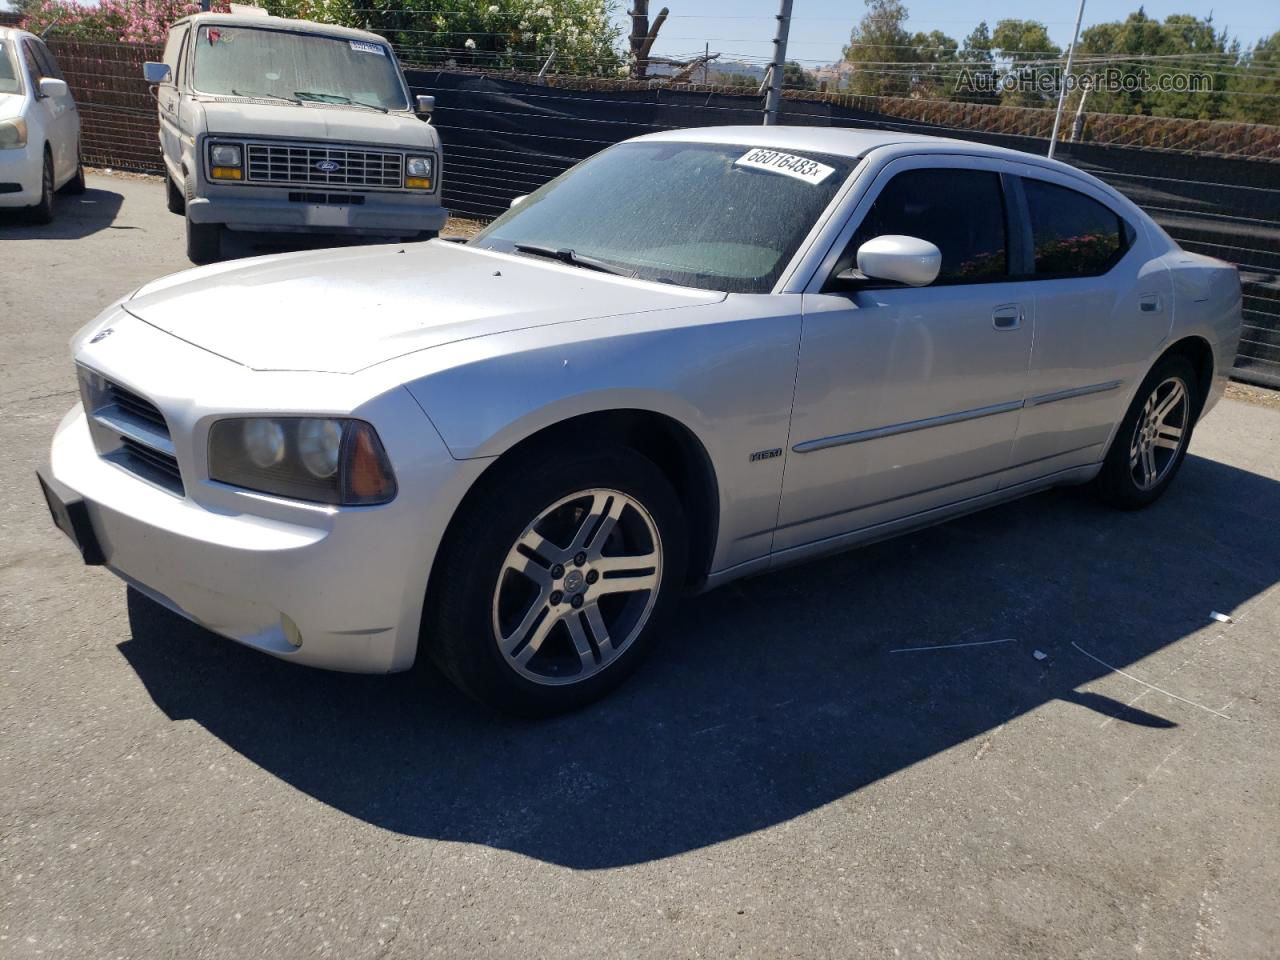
x: 1150, y: 303
x: 1007, y: 316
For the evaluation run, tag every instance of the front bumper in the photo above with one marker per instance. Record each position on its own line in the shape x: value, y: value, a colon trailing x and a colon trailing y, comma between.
x: 270, y: 209
x: 249, y: 566
x: 18, y: 168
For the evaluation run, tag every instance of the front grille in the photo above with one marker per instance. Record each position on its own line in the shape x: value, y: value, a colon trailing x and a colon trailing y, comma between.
x: 130, y: 431
x: 296, y: 164
x: 140, y: 407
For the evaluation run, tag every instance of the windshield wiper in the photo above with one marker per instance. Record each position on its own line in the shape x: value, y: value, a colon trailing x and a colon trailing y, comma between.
x: 264, y: 96
x: 565, y: 255
x: 336, y: 98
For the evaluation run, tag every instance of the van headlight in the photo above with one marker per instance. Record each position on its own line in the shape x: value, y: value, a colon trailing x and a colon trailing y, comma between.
x: 320, y: 459
x: 225, y: 161
x: 13, y: 134
x: 418, y: 172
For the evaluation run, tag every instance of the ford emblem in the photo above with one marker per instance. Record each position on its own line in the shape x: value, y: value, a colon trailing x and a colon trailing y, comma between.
x: 328, y: 166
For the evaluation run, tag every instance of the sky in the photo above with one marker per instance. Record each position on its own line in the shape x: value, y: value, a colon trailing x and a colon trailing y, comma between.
x: 820, y: 28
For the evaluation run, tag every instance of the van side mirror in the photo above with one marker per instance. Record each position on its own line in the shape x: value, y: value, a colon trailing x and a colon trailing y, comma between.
x: 157, y: 72
x: 900, y: 259
x: 53, y: 87
x: 425, y: 104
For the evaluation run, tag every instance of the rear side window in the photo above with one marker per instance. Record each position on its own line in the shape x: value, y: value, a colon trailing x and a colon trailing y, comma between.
x: 961, y: 212
x: 1072, y: 235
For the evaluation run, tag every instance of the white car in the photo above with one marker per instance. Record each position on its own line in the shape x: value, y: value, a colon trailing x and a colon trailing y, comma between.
x: 698, y: 355
x: 39, y: 127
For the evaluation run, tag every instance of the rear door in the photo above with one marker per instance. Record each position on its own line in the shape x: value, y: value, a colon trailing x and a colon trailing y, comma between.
x: 907, y: 398
x: 1102, y: 309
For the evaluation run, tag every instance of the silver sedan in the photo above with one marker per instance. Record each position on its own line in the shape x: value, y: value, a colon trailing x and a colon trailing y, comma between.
x: 698, y: 355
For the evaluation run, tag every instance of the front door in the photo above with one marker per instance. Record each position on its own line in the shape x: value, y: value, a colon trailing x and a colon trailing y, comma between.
x: 908, y: 398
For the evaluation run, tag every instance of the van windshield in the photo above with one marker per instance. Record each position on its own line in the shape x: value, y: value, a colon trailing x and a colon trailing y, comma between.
x: 280, y: 64
x: 9, y: 82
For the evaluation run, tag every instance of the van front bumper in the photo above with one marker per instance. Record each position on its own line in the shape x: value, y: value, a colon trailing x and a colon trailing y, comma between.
x: 388, y: 214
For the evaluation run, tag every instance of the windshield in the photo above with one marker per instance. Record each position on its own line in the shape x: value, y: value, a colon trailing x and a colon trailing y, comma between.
x: 715, y: 216
x: 9, y: 82
x: 249, y: 61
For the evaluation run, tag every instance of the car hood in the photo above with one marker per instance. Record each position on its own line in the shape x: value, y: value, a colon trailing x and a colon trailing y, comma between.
x: 240, y: 118
x: 343, y: 310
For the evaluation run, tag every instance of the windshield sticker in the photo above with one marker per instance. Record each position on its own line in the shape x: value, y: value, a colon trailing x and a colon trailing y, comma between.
x: 361, y: 47
x: 810, y: 171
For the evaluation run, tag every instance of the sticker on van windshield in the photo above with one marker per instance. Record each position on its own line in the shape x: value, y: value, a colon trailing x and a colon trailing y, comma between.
x: 361, y: 47
x: 810, y: 171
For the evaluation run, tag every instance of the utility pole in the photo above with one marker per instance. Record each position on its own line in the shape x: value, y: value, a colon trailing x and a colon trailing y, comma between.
x: 774, y: 95
x: 1062, y: 87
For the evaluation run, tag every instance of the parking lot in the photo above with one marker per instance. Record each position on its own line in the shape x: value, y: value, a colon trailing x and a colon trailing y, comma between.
x: 1020, y: 734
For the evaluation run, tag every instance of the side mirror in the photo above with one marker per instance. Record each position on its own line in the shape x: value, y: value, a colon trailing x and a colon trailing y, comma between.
x: 53, y: 87
x: 908, y: 260
x: 157, y: 73
x: 516, y: 201
x: 425, y: 104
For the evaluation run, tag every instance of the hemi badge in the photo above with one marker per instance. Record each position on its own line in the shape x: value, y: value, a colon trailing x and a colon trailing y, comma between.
x: 766, y: 454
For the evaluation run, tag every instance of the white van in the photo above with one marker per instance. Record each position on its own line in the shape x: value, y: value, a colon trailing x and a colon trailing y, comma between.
x: 268, y: 124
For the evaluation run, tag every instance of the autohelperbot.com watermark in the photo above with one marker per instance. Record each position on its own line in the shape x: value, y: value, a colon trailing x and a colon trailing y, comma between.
x: 1046, y: 80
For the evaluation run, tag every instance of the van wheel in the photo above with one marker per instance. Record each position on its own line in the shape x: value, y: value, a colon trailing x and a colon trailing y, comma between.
x: 177, y: 202
x: 204, y: 242
x: 42, y: 212
x: 1152, y: 439
x: 551, y: 585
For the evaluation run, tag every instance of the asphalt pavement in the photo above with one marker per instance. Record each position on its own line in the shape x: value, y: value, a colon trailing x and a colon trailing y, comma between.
x: 923, y: 748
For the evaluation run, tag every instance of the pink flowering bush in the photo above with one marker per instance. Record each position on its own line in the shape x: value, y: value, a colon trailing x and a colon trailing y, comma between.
x: 125, y: 21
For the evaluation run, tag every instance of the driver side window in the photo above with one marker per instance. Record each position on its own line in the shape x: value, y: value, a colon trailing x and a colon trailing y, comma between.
x: 961, y: 212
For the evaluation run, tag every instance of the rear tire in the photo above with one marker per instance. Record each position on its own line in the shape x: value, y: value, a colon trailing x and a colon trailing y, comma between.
x: 42, y: 212
x: 537, y: 605
x: 1151, y: 441
x: 174, y: 197
x: 204, y: 242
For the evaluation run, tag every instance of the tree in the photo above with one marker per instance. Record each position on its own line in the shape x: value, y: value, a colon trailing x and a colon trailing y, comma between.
x: 1026, y: 49
x: 876, y: 46
x: 1256, y: 84
x: 979, y: 65
x: 516, y: 34
x: 796, y: 77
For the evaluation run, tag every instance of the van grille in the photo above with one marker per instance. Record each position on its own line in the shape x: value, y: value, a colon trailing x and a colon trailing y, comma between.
x: 325, y: 166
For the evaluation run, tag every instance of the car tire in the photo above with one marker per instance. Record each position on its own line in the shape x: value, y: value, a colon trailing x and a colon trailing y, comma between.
x: 535, y: 632
x: 42, y: 212
x: 1151, y: 441
x: 76, y: 185
x: 174, y: 197
x: 204, y: 242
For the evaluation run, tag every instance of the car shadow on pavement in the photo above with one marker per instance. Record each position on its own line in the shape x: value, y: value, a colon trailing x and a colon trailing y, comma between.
x: 768, y: 698
x: 74, y: 217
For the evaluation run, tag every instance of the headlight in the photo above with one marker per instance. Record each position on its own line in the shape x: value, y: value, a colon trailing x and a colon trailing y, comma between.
x: 225, y: 161
x: 225, y: 154
x: 13, y: 134
x: 321, y: 459
x: 417, y: 172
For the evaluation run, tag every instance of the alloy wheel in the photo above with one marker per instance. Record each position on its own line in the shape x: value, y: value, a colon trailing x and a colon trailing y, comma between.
x: 577, y: 587
x: 1159, y: 433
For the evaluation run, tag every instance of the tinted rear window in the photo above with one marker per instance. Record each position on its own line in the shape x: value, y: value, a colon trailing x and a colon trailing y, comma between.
x: 1072, y: 235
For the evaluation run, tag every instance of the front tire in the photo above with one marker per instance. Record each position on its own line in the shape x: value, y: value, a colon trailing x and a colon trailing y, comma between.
x: 204, y: 242
x: 42, y: 212
x: 1152, y: 439
x: 555, y: 578
x: 76, y: 185
x: 174, y: 197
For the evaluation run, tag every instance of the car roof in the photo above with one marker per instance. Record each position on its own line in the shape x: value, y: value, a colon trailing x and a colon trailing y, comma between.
x: 280, y: 23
